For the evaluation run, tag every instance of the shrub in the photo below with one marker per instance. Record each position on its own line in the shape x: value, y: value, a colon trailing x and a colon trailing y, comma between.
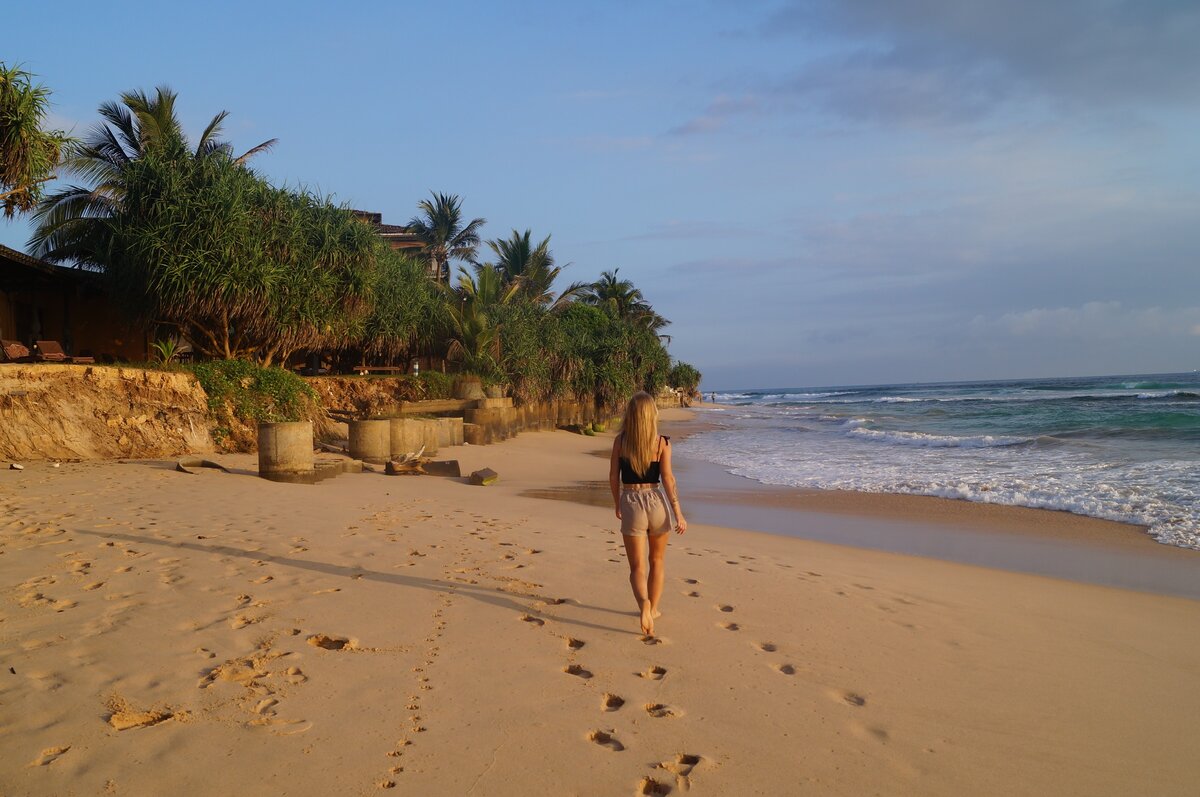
x: 241, y: 394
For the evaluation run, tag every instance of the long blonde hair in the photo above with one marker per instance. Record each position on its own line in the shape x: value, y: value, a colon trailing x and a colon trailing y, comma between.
x: 639, y: 432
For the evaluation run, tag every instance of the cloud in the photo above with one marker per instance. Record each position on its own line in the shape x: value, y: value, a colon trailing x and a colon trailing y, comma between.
x: 1093, y: 321
x: 955, y: 61
x: 716, y: 115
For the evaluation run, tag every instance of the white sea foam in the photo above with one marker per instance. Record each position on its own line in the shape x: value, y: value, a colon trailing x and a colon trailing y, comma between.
x: 924, y: 440
x: 1162, y: 495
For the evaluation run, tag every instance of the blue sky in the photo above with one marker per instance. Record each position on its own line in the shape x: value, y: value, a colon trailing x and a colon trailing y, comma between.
x: 813, y: 192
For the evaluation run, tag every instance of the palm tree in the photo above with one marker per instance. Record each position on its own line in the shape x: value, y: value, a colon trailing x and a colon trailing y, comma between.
x: 532, y: 268
x: 620, y: 298
x: 474, y: 335
x: 28, y: 154
x: 443, y: 235
x: 67, y: 225
x: 616, y: 295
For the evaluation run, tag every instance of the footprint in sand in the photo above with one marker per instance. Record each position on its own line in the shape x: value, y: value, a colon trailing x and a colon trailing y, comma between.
x: 48, y: 755
x: 850, y: 698
x: 535, y: 621
x: 241, y: 621
x: 575, y: 669
x: 650, y: 786
x: 731, y: 626
x: 651, y: 640
x: 606, y: 739
x: 725, y: 607
x: 690, y: 581
x: 331, y: 642
x: 575, y: 644
x: 659, y: 711
x: 655, y: 673
x: 612, y: 702
x: 682, y: 768
x: 767, y: 647
x: 786, y: 669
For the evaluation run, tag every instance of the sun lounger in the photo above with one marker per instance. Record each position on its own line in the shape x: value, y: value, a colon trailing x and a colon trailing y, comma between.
x: 15, y: 352
x: 51, y: 351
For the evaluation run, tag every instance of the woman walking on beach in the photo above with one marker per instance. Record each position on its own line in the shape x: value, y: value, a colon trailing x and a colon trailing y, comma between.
x: 640, y: 458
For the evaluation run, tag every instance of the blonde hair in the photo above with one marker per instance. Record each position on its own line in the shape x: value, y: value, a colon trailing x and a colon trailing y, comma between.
x: 639, y: 432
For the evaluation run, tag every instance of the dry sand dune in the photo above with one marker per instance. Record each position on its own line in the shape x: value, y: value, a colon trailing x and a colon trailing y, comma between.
x: 214, y: 633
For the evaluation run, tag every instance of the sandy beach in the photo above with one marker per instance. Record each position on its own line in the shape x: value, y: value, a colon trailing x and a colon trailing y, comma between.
x: 166, y: 633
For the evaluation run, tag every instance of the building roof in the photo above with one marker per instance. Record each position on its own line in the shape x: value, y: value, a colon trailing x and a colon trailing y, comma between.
x: 392, y: 232
x: 20, y: 271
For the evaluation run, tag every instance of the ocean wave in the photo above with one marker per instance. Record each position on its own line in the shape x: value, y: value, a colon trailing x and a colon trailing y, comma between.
x: 1170, y: 394
x: 926, y: 440
x: 776, y: 397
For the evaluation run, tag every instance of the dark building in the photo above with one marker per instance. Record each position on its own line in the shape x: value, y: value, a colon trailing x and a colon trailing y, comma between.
x: 41, y: 301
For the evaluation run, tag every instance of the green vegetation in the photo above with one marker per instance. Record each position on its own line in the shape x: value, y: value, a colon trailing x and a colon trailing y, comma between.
x: 202, y: 250
x: 29, y: 153
x: 684, y: 375
x: 241, y: 393
x: 440, y: 229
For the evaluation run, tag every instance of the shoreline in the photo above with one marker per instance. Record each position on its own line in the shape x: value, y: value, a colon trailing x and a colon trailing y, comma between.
x: 1045, y: 542
x: 216, y: 632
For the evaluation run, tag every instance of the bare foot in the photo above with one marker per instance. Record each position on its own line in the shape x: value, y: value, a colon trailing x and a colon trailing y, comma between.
x: 655, y: 613
x: 647, y: 619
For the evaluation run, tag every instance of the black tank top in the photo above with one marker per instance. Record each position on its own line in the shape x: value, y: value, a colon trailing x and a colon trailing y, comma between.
x: 651, y: 476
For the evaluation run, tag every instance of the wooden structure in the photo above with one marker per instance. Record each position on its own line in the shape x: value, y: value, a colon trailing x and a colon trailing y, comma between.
x: 41, y: 301
x: 397, y: 237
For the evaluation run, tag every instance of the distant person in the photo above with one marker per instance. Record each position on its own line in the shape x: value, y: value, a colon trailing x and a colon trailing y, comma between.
x: 640, y: 458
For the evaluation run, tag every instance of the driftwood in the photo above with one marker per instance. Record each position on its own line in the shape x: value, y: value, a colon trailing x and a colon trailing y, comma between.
x: 407, y: 465
x: 184, y: 464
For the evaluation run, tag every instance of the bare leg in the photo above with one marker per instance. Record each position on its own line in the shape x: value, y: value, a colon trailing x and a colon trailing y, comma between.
x: 658, y: 550
x: 635, y: 552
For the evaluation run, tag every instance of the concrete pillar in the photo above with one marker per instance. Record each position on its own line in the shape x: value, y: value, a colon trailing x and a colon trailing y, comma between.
x: 285, y: 448
x: 430, y: 430
x: 474, y: 434
x: 452, y: 432
x: 371, y: 441
x: 407, y: 436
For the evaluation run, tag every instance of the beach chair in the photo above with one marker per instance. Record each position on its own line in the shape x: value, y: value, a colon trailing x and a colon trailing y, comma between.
x: 15, y: 352
x: 51, y: 351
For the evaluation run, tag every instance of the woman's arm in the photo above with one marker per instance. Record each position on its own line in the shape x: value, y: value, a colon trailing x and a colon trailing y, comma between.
x: 614, y: 474
x: 668, y: 480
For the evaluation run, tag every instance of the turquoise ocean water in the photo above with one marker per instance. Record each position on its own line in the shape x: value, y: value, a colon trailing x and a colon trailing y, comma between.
x: 1123, y: 448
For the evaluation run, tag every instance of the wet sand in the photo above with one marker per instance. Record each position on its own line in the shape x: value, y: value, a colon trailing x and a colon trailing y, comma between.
x: 1038, y: 541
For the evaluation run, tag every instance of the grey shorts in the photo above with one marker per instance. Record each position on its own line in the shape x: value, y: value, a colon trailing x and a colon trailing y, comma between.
x: 644, y: 512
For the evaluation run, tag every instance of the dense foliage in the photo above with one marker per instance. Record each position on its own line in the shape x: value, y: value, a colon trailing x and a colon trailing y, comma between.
x: 241, y: 393
x: 29, y: 153
x: 201, y: 248
x: 684, y: 375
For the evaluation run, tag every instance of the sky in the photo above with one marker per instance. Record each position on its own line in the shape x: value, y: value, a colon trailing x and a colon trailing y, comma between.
x: 814, y: 193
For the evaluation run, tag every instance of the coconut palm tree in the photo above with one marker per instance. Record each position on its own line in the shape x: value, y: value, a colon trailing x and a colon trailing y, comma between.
x: 617, y: 296
x: 443, y: 235
x: 532, y: 268
x: 474, y: 335
x: 67, y: 221
x: 620, y: 298
x: 29, y: 154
